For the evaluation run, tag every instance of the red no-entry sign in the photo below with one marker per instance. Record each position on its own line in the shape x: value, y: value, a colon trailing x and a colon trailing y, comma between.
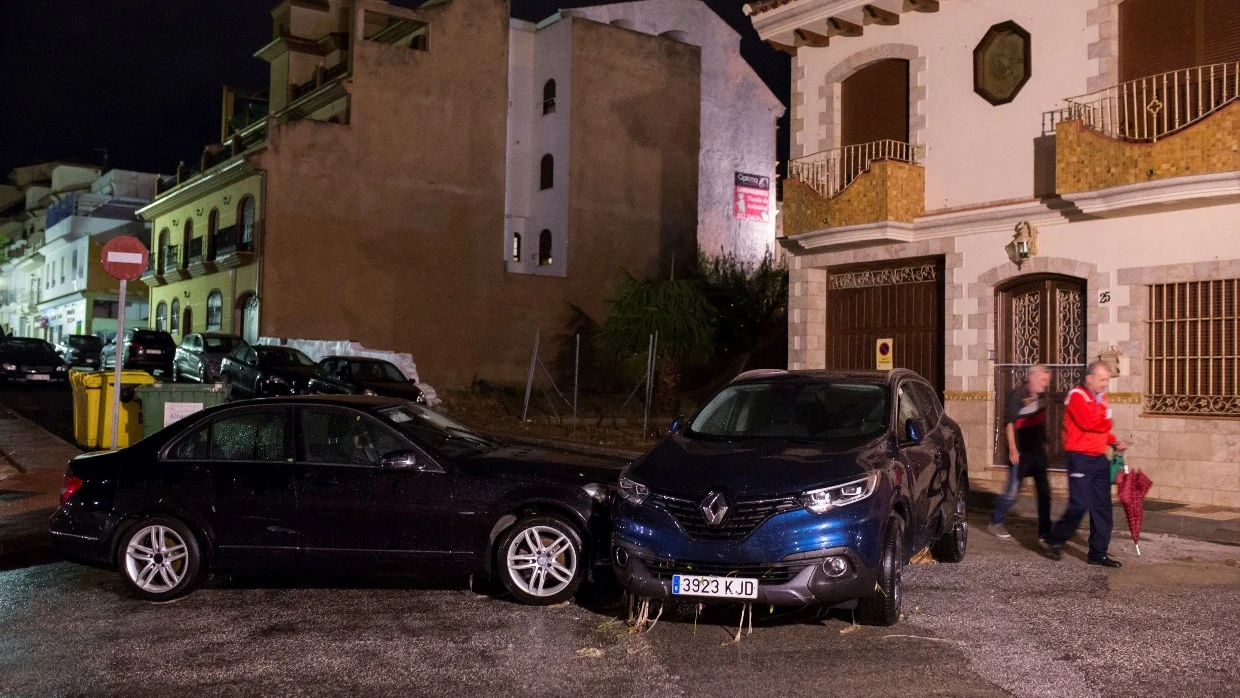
x: 125, y: 257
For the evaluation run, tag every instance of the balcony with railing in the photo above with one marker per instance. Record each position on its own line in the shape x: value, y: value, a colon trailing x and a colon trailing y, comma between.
x: 230, y: 250
x: 1183, y: 123
x: 854, y: 185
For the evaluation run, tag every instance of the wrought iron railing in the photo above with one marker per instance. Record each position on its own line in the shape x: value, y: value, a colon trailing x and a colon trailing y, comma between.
x: 225, y: 240
x: 830, y: 171
x: 170, y: 259
x: 1148, y: 109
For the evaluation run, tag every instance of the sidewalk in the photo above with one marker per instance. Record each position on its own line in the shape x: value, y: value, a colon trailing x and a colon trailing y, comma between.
x: 32, y: 466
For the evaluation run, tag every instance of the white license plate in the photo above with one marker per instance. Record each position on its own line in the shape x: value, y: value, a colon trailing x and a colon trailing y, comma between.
x: 723, y: 587
x: 38, y: 377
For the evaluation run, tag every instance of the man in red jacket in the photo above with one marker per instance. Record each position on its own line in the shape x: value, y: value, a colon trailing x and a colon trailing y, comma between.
x: 1086, y: 436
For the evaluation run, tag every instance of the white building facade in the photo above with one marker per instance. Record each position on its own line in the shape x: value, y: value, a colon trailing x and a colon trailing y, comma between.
x: 994, y: 184
x: 737, y: 131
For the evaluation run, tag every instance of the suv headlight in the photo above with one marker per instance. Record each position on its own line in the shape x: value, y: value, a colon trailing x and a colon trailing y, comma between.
x: 633, y: 491
x: 828, y: 498
x: 276, y: 380
x: 9, y: 367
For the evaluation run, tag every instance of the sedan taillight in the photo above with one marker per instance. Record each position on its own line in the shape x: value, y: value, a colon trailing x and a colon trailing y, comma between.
x: 68, y: 487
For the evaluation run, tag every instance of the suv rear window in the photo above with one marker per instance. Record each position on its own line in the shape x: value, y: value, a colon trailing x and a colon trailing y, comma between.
x: 153, y: 337
x: 85, y: 342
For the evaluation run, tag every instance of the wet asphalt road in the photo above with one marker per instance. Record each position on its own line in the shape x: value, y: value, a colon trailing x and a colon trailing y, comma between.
x: 1006, y: 621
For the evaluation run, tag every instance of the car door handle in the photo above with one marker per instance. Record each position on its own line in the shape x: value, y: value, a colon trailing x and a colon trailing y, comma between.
x: 323, y: 479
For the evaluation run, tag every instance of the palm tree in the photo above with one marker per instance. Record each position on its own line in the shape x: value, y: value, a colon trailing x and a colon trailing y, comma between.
x: 681, y: 315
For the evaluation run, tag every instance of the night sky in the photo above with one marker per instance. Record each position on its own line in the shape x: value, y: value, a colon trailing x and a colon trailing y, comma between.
x: 140, y: 80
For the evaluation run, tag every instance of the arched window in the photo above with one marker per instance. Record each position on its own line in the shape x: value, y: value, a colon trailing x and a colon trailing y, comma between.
x: 245, y: 224
x: 164, y: 251
x: 516, y: 247
x: 174, y: 318
x: 161, y: 316
x: 546, y: 172
x: 215, y: 311
x: 544, y: 248
x: 213, y: 227
x: 186, y: 237
x: 549, y: 97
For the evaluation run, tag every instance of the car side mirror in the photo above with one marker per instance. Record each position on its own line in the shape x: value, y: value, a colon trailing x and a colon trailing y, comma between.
x: 914, y: 430
x: 676, y: 424
x: 405, y: 460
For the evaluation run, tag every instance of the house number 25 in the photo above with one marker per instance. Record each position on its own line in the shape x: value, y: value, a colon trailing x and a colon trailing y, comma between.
x: 1104, y: 297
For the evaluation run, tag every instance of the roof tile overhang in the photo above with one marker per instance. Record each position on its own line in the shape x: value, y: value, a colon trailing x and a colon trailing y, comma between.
x: 788, y: 25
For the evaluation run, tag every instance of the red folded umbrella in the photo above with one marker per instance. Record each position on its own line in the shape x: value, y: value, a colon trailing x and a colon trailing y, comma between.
x: 1131, y: 487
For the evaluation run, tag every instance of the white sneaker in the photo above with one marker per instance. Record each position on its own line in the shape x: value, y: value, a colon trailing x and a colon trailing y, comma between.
x: 997, y: 530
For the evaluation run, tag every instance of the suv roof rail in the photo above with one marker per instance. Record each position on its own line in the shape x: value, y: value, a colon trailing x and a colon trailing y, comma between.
x: 759, y: 373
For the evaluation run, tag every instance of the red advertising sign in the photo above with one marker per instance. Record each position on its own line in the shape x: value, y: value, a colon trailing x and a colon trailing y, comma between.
x: 125, y: 257
x: 752, y: 198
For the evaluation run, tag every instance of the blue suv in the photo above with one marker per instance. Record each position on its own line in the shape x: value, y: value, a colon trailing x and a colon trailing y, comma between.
x: 792, y: 488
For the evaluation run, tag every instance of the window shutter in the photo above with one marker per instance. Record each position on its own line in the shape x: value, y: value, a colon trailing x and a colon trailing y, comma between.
x: 1156, y: 36
x: 1222, y: 31
x: 874, y: 103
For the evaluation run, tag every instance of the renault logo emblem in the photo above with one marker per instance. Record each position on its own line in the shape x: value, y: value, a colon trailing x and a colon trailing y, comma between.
x: 714, y: 507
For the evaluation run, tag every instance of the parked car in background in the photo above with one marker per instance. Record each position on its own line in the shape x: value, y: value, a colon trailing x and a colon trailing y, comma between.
x: 199, y: 355
x: 352, y: 375
x: 29, y: 361
x: 796, y: 488
x: 265, y: 370
x: 145, y: 350
x: 362, y: 484
x: 80, y: 350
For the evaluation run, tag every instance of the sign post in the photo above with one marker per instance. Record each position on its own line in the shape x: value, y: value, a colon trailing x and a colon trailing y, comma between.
x: 125, y: 258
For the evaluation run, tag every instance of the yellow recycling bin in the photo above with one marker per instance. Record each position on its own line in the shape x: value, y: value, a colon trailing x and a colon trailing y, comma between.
x: 92, y: 408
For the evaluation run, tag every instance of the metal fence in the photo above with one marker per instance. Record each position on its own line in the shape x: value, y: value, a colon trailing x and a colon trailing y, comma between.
x: 1008, y: 377
x: 830, y: 171
x: 1154, y: 107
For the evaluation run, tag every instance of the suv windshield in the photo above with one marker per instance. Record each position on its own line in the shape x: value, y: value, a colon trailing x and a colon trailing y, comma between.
x: 85, y: 342
x: 375, y: 371
x: 818, y: 411
x: 437, y: 431
x: 220, y: 343
x: 281, y: 356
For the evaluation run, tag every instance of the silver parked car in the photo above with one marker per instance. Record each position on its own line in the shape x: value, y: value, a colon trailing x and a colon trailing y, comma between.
x: 199, y: 355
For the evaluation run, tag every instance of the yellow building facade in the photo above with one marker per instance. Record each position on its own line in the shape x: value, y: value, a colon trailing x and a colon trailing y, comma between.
x: 204, y: 273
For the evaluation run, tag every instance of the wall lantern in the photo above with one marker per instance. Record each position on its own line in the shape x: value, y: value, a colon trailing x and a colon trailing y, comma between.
x: 1024, y: 244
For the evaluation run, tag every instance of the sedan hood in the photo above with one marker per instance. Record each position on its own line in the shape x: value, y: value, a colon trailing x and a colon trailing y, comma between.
x: 408, y: 391
x: 691, y: 467
x: 528, y: 463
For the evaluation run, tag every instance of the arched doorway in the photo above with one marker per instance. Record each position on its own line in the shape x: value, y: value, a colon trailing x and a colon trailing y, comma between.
x: 187, y: 325
x: 1039, y: 319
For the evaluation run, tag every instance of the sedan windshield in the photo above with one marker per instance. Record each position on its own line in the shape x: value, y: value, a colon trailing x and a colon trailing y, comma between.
x: 85, y: 342
x: 23, y: 344
x: 818, y: 411
x: 375, y: 371
x: 437, y: 431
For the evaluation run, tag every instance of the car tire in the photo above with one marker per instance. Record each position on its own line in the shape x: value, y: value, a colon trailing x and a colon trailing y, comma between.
x: 883, y: 606
x: 159, y: 559
x: 541, y: 560
x: 258, y: 388
x: 951, y: 546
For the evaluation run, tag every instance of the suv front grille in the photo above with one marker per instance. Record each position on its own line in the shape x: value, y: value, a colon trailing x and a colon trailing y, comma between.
x: 741, y: 520
x: 769, y: 574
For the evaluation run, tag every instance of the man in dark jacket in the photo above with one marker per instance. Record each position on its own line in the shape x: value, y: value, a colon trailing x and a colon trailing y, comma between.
x: 1086, y: 436
x: 1025, y: 428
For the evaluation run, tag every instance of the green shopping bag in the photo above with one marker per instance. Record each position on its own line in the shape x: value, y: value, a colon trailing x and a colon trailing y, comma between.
x: 1117, y: 464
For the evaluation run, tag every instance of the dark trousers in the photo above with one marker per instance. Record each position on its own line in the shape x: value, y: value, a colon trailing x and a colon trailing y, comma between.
x: 1089, y: 491
x: 1032, y: 464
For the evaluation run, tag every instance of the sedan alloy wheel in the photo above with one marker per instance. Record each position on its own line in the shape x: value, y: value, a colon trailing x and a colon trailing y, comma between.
x: 541, y: 560
x: 160, y: 559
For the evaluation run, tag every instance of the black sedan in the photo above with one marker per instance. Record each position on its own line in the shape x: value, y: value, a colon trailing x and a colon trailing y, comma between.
x: 265, y: 370
x: 29, y: 361
x: 359, y: 483
x: 355, y: 375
